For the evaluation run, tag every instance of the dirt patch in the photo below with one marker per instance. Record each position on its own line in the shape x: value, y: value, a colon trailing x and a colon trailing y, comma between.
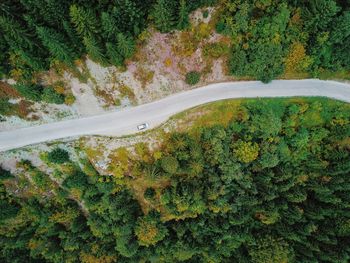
x: 158, y: 69
x: 6, y: 91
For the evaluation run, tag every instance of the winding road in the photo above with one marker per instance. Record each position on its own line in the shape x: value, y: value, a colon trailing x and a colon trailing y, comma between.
x: 124, y: 122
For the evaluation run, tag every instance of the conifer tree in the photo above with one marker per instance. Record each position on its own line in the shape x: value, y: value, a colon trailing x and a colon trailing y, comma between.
x: 55, y: 43
x: 15, y: 34
x: 163, y: 16
x: 109, y: 26
x: 36, y: 63
x: 183, y: 15
x: 114, y: 56
x: 76, y: 42
x: 94, y: 51
x: 84, y: 20
x: 126, y: 45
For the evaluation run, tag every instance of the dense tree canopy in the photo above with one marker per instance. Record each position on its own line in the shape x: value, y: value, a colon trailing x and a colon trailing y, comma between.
x: 249, y: 191
x: 268, y: 38
x: 40, y: 31
x: 265, y: 32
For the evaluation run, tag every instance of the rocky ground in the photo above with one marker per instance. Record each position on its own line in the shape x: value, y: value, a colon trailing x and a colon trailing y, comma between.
x: 157, y: 69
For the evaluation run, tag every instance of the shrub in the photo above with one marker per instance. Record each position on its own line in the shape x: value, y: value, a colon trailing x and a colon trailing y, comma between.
x: 40, y: 179
x: 149, y: 193
x: 117, y: 102
x: 69, y: 99
x: 51, y: 96
x: 5, y: 106
x: 220, y: 27
x: 58, y: 156
x: 169, y: 164
x: 193, y: 77
x: 215, y: 50
x: 30, y: 91
x: 4, y: 174
x: 205, y: 13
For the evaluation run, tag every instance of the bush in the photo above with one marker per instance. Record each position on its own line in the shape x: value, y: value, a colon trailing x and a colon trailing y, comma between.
x: 58, y: 156
x: 30, y: 91
x: 5, y: 106
x: 4, y: 174
x: 69, y: 99
x: 51, y: 96
x: 169, y: 164
x: 215, y: 50
x: 220, y: 27
x: 193, y: 77
x: 205, y: 13
x: 149, y: 193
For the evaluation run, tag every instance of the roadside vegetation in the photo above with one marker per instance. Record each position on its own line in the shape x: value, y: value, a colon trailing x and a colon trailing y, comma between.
x: 268, y: 39
x: 258, y: 180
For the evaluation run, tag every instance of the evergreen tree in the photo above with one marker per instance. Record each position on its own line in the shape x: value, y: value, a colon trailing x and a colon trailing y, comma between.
x: 84, y: 20
x: 109, y: 26
x: 126, y: 46
x: 183, y: 21
x: 94, y: 50
x: 36, y: 63
x: 114, y: 56
x: 15, y: 35
x: 49, y: 12
x: 75, y: 41
x: 130, y: 15
x: 55, y: 43
x: 163, y: 16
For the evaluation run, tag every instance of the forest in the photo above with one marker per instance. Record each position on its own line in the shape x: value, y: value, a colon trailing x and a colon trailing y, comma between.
x: 268, y: 37
x: 270, y: 185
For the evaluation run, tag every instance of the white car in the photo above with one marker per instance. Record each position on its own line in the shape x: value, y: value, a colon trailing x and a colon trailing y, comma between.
x: 142, y: 126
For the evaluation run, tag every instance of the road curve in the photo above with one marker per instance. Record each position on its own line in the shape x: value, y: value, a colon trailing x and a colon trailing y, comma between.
x: 124, y: 122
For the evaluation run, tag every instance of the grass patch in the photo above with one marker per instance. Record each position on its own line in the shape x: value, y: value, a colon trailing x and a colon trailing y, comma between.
x: 340, y: 75
x: 126, y: 91
x: 222, y: 112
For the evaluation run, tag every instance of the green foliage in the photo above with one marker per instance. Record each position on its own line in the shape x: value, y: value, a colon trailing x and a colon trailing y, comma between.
x: 264, y: 32
x: 169, y: 164
x: 163, y: 15
x: 94, y: 50
x: 270, y: 250
x: 4, y: 174
x: 149, y: 193
x: 29, y: 91
x: 246, y: 152
x: 15, y: 35
x: 183, y: 15
x: 193, y: 77
x: 239, y: 192
x: 215, y: 50
x: 114, y: 56
x: 51, y: 96
x: 109, y: 26
x: 7, y: 211
x: 125, y: 45
x: 5, y: 106
x: 55, y: 43
x: 149, y: 230
x: 58, y: 156
x: 84, y: 21
x: 205, y: 13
